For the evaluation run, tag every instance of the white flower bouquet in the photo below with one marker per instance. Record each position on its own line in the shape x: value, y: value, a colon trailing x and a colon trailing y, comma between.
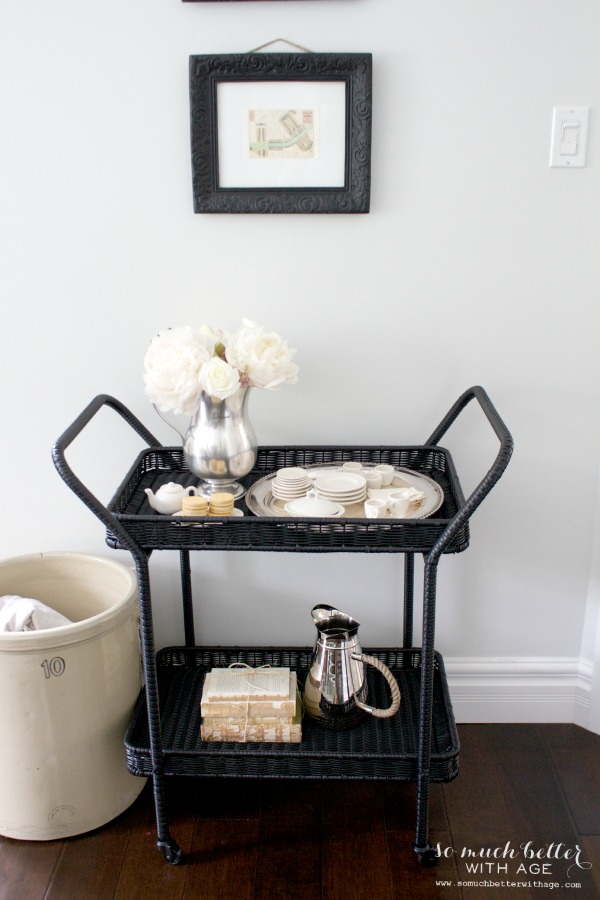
x: 183, y: 362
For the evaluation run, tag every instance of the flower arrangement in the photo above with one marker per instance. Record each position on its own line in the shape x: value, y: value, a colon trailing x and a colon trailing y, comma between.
x: 183, y: 362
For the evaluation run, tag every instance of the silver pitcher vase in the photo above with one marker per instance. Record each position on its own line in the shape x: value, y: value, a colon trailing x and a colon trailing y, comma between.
x: 220, y: 443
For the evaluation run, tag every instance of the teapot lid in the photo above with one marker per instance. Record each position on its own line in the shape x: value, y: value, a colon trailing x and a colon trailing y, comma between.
x: 171, y: 488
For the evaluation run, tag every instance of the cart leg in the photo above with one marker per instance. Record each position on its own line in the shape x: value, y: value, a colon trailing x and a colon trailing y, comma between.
x: 168, y: 847
x: 426, y: 854
x: 409, y: 578
x: 186, y: 594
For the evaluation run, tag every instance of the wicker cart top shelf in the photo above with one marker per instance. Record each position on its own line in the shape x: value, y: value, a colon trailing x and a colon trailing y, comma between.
x: 132, y: 524
x: 159, y: 465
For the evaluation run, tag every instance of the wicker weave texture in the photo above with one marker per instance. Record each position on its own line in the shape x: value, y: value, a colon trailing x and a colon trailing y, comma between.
x: 377, y: 749
x: 159, y: 465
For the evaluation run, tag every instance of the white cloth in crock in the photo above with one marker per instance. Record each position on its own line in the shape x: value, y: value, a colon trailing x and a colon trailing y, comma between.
x: 24, y: 614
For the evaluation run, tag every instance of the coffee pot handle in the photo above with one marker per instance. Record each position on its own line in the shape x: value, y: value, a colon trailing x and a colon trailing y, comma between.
x: 395, y: 704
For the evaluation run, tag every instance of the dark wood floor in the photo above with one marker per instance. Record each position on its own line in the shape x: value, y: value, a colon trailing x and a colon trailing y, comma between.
x: 522, y: 789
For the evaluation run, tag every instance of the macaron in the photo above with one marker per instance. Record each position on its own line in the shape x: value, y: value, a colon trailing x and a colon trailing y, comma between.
x: 194, y: 506
x: 221, y: 504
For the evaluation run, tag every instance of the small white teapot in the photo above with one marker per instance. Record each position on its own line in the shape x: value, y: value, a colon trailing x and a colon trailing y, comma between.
x: 169, y: 497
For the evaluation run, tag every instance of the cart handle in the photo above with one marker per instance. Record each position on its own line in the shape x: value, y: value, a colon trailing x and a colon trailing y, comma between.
x: 76, y: 485
x: 494, y: 473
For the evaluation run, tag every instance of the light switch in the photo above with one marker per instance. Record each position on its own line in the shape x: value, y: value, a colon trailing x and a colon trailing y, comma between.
x: 569, y: 136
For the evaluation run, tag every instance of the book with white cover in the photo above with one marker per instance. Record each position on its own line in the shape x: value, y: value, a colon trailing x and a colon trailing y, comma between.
x: 245, y: 683
x: 245, y: 731
x: 249, y: 707
x: 250, y: 720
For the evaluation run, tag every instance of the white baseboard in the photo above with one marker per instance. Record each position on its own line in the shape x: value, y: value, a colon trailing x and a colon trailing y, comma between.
x: 519, y: 689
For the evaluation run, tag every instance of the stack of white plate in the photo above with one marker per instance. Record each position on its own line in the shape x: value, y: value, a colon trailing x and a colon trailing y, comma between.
x: 342, y: 487
x: 290, y: 483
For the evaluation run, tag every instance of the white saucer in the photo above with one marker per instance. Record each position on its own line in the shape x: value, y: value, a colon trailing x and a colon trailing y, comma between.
x: 291, y: 476
x: 346, y: 501
x: 350, y: 497
x: 288, y: 495
x: 340, y: 484
x: 290, y: 491
x: 236, y: 512
x: 357, y: 493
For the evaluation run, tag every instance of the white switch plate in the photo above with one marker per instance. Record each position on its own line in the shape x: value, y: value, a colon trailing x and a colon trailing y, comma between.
x: 569, y: 136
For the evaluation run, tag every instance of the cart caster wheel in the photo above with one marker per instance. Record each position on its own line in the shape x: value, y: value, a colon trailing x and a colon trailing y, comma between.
x: 171, y: 851
x: 426, y: 856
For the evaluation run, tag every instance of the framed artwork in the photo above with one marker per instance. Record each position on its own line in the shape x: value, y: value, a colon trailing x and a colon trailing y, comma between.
x: 281, y: 132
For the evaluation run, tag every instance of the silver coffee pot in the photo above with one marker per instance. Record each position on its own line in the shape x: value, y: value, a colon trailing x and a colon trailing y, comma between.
x: 335, y: 692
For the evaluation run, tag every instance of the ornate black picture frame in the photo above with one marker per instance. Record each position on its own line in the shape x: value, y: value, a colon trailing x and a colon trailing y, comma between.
x: 281, y: 132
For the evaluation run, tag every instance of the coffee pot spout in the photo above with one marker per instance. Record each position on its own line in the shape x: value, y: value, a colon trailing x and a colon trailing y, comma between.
x: 330, y: 620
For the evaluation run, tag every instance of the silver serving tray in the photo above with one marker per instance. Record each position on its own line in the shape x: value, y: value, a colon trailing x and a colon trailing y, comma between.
x: 261, y: 502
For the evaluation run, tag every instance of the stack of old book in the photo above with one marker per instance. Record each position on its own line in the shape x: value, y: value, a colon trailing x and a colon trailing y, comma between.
x: 245, y: 704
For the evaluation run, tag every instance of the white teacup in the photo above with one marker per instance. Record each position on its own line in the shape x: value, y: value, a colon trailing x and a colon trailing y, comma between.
x: 375, y: 509
x: 352, y: 467
x: 387, y: 473
x: 373, y: 479
x: 398, y: 502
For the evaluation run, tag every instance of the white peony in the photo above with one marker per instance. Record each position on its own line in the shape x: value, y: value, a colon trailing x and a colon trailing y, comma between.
x: 219, y: 379
x: 172, y: 365
x: 264, y: 358
x: 210, y: 337
x: 183, y: 362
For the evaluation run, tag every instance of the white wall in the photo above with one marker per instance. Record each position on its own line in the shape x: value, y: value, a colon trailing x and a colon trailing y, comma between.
x: 477, y: 264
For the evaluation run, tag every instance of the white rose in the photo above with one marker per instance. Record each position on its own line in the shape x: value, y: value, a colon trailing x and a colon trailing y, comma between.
x: 263, y: 357
x: 172, y: 365
x: 219, y: 379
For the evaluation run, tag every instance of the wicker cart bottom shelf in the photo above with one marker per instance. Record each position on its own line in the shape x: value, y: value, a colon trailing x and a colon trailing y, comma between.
x: 377, y: 749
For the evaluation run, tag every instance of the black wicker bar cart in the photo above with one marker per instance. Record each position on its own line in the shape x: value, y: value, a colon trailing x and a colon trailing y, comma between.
x: 419, y: 744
